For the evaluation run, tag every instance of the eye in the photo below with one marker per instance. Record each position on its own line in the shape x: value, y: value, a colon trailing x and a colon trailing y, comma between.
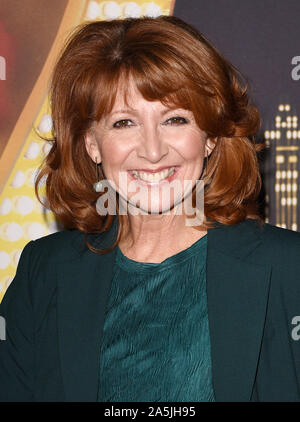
x: 177, y: 120
x: 122, y: 123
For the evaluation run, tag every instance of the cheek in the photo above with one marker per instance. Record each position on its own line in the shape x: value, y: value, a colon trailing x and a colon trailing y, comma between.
x: 114, y: 152
x: 191, y: 147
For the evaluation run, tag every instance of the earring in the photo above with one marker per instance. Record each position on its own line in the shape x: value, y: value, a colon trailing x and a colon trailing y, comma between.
x: 98, y: 186
x: 205, y: 178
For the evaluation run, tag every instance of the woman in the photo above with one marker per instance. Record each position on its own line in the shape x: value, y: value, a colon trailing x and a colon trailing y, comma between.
x: 142, y: 305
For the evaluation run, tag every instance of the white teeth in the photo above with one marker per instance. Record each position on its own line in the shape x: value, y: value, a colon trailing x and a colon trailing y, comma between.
x: 153, y: 177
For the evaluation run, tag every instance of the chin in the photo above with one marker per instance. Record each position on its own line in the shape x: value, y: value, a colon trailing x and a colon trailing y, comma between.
x: 155, y: 208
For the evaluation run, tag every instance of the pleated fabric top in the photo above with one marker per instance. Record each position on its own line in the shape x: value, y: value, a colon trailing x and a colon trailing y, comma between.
x: 155, y: 344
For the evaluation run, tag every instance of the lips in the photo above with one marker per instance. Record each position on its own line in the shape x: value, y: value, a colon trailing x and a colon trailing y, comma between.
x: 154, y: 178
x: 153, y: 171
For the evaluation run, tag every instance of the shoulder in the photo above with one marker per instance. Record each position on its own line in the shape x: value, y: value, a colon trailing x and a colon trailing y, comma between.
x: 276, y: 246
x: 269, y: 232
x: 271, y: 237
x: 39, y: 259
x: 71, y: 243
x: 283, y: 245
x: 54, y: 247
x: 277, y: 233
x: 57, y: 241
x: 263, y: 244
x: 276, y: 251
x: 279, y: 249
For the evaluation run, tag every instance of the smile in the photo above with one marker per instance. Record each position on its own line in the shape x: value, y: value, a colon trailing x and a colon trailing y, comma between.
x: 153, y: 178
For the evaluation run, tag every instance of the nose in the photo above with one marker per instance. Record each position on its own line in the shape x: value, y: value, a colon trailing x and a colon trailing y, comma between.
x: 152, y: 146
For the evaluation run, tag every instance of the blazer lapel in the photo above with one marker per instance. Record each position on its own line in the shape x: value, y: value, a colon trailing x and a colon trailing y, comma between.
x: 83, y: 289
x: 237, y: 294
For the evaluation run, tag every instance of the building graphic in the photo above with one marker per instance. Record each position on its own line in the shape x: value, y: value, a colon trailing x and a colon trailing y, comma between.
x: 283, y: 140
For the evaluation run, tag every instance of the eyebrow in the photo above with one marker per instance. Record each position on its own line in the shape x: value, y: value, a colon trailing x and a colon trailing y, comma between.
x: 133, y: 110
x: 124, y: 110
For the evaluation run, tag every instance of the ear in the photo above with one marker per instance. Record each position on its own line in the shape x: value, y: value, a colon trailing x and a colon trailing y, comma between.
x: 92, y: 147
x: 210, y: 145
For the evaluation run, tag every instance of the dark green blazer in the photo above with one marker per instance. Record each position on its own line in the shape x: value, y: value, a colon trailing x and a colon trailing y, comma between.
x: 54, y: 310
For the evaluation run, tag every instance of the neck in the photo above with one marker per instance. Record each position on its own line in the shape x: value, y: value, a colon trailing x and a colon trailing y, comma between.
x: 153, y: 238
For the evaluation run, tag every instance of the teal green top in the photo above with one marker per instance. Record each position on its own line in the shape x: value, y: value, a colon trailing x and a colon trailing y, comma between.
x: 156, y: 344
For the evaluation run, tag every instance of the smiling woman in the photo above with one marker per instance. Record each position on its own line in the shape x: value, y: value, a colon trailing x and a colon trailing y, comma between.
x: 138, y: 64
x: 141, y: 305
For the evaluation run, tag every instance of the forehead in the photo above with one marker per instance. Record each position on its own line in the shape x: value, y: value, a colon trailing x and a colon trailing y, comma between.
x: 128, y: 96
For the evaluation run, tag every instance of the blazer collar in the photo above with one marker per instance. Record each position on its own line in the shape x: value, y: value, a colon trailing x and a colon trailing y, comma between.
x: 237, y: 293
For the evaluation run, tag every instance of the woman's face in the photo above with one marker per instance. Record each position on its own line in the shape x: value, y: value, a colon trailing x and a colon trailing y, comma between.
x: 147, y: 148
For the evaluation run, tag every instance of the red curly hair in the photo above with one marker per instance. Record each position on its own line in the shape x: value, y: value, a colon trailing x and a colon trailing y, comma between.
x: 169, y: 61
